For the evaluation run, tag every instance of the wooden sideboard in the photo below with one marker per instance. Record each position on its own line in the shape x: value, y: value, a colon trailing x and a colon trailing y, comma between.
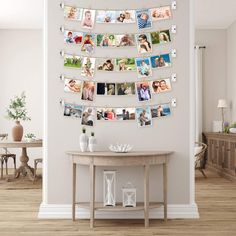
x: 221, y: 154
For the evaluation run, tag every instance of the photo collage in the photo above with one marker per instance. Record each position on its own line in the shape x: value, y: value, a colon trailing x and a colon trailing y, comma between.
x: 145, y: 87
x: 143, y: 115
x: 143, y: 18
x: 144, y: 42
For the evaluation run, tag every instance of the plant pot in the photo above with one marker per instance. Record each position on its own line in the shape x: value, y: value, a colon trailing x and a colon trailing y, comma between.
x: 17, y: 132
x: 83, y: 142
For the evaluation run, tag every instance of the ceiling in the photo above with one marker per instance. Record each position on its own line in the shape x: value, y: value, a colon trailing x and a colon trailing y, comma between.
x: 28, y: 14
x: 214, y: 14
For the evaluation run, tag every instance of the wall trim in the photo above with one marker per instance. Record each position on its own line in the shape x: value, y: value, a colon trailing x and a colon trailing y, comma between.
x: 56, y: 211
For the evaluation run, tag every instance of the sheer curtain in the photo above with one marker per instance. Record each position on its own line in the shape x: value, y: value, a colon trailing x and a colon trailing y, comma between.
x: 198, y: 94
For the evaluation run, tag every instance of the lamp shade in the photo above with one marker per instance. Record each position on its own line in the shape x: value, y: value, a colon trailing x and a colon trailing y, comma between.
x: 222, y: 103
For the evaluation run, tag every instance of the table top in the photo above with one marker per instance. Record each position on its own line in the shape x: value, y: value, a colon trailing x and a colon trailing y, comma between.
x: 22, y: 144
x: 118, y: 154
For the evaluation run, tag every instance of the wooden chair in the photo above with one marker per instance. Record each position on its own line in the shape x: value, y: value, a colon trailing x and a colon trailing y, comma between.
x: 200, y: 158
x: 36, y: 162
x: 5, y: 156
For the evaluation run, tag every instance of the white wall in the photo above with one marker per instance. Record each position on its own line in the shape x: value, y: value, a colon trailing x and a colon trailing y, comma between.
x: 62, y: 134
x: 22, y: 70
x: 231, y: 71
x: 214, y: 72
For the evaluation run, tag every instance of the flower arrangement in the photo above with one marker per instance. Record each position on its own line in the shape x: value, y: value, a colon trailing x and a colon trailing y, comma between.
x: 17, y: 110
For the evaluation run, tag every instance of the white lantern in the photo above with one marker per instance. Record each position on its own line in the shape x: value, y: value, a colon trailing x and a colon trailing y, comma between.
x: 129, y: 195
x: 109, y: 185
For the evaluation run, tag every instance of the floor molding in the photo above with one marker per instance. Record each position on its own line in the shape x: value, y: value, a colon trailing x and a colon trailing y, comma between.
x: 54, y: 211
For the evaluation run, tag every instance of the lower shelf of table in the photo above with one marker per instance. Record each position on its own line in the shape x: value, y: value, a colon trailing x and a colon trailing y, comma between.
x: 139, y: 206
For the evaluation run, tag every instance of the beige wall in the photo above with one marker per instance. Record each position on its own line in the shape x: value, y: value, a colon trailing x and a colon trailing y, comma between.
x: 231, y: 72
x: 214, y: 72
x: 22, y: 70
x: 62, y: 134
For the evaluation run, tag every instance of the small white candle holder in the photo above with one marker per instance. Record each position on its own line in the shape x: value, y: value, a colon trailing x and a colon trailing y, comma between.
x: 109, y: 186
x: 129, y: 195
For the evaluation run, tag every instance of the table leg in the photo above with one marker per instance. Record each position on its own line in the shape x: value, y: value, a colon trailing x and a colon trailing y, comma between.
x: 73, y: 191
x: 146, y: 195
x: 25, y: 168
x: 165, y: 190
x: 92, y: 194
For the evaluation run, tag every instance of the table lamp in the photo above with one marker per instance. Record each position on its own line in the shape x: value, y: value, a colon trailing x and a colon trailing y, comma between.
x: 222, y: 104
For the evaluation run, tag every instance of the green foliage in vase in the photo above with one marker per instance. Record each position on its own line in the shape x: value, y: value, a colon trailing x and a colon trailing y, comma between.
x: 84, y: 130
x: 30, y: 135
x: 227, y: 128
x: 17, y: 108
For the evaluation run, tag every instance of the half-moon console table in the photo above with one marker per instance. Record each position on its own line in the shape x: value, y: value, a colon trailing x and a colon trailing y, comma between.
x: 146, y: 159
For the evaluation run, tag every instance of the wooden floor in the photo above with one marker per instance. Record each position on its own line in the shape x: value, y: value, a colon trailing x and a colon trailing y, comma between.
x: 216, y: 199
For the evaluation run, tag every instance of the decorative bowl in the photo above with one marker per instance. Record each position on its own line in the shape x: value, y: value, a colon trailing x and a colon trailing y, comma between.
x: 121, y: 148
x: 232, y: 130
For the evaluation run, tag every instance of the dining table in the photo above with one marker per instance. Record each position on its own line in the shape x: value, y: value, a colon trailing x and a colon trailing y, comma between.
x: 24, y: 169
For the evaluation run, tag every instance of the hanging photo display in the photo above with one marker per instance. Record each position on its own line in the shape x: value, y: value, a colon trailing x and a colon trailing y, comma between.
x: 73, y: 110
x: 88, y: 43
x: 145, y: 90
x: 161, y: 110
x: 88, y: 91
x: 143, y: 115
x: 88, y: 116
x: 88, y: 67
x: 143, y: 41
x: 142, y: 65
x: 143, y: 17
x: 72, y: 86
x: 73, y: 61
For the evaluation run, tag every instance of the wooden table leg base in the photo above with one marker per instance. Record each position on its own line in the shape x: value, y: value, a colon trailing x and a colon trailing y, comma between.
x: 25, y: 170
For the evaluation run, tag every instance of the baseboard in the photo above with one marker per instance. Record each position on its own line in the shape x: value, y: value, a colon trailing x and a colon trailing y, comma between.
x: 54, y: 211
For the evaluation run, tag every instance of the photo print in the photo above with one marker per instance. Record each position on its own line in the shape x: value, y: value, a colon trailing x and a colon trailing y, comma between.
x: 88, y: 19
x: 88, y: 43
x: 161, y: 37
x: 161, y: 110
x: 72, y: 61
x: 88, y: 91
x: 125, y: 64
x: 106, y: 16
x: 143, y: 66
x: 106, y: 64
x: 72, y: 85
x: 144, y: 44
x: 161, y: 13
x: 106, y: 114
x: 106, y: 40
x: 125, y: 113
x: 88, y: 116
x: 143, y: 91
x: 143, y: 116
x: 106, y: 89
x: 72, y: 37
x: 73, y: 13
x: 125, y: 17
x: 161, y: 86
x: 124, y: 40
x: 161, y: 61
x: 73, y: 110
x: 143, y: 19
x: 125, y: 89
x: 88, y: 67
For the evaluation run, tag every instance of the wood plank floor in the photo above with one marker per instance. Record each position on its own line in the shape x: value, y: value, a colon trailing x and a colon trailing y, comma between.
x: 216, y: 199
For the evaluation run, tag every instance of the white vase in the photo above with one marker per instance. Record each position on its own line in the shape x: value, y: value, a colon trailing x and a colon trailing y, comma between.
x: 83, y: 142
x: 92, y: 143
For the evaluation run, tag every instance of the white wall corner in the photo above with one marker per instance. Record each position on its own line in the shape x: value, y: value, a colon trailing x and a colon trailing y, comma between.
x: 54, y: 211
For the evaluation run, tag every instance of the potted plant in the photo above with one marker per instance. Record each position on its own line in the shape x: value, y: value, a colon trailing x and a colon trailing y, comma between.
x: 231, y: 128
x: 30, y: 137
x: 83, y: 140
x: 17, y: 111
